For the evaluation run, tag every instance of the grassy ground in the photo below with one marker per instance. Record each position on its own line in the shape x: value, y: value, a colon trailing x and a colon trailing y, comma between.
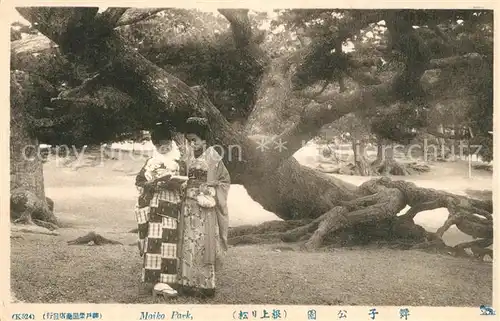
x: 45, y: 269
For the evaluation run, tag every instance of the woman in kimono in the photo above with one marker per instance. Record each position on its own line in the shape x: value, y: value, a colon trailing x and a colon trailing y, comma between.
x: 204, y: 222
x: 157, y: 212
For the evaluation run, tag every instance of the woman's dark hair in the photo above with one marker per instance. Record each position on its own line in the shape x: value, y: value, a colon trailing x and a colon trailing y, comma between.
x: 162, y: 131
x: 197, y: 126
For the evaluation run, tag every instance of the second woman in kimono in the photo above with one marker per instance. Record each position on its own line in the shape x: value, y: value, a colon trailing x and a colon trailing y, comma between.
x: 204, y: 220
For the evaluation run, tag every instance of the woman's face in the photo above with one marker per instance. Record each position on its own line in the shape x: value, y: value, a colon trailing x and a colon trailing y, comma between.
x: 195, y: 141
x: 163, y: 146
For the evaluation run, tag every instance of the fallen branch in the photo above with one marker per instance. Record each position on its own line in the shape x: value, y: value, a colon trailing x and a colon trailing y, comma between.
x: 93, y: 239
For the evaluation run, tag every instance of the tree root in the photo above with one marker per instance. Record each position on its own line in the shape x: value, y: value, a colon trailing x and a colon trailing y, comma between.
x: 25, y: 207
x: 463, y: 211
x: 334, y: 219
x: 26, y: 219
x: 261, y: 238
x: 297, y: 233
x: 266, y: 227
x: 47, y: 225
x: 92, y: 239
x: 478, y: 248
x: 372, y: 218
x: 32, y: 228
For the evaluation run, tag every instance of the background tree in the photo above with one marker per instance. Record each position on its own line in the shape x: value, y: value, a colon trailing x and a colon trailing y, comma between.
x: 272, y: 177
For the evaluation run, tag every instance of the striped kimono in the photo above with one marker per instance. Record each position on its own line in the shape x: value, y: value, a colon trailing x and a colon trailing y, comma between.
x: 157, y: 212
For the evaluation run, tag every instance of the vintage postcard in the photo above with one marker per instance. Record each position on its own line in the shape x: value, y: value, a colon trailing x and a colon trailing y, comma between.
x: 240, y: 161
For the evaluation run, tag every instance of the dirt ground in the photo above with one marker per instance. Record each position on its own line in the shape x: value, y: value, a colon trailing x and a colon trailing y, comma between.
x: 44, y: 269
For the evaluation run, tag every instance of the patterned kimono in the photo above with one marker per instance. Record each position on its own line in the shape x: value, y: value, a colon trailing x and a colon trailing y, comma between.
x: 157, y: 212
x: 204, y: 222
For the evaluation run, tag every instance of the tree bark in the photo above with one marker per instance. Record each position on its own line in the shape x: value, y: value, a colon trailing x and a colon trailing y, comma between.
x: 380, y: 152
x: 385, y: 163
x: 26, y: 167
x: 362, y: 165
x: 28, y: 201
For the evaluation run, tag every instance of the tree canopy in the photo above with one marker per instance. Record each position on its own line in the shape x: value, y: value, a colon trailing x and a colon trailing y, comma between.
x: 340, y: 50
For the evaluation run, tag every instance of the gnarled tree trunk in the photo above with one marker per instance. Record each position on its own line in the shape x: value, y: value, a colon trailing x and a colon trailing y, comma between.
x: 28, y: 201
x: 385, y: 163
x: 361, y: 164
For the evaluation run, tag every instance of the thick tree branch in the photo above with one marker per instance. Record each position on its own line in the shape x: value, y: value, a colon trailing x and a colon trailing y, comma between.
x: 245, y: 39
x: 327, y: 109
x: 405, y: 86
x: 58, y: 24
x: 352, y: 24
x: 252, y: 58
x: 135, y: 15
x: 275, y: 103
x: 240, y: 25
x: 405, y: 39
x: 32, y: 44
x: 330, y: 107
x: 87, y: 87
x: 111, y: 16
x: 456, y: 61
x: 363, y: 77
x: 434, y: 27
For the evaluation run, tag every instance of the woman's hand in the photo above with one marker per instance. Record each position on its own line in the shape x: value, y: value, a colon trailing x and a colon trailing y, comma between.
x: 204, y: 188
x: 206, y: 201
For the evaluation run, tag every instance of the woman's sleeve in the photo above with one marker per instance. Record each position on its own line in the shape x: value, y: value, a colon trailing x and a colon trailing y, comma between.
x: 141, y: 179
x: 222, y: 192
x: 221, y: 185
x: 142, y: 210
x: 142, y: 218
x: 223, y: 177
